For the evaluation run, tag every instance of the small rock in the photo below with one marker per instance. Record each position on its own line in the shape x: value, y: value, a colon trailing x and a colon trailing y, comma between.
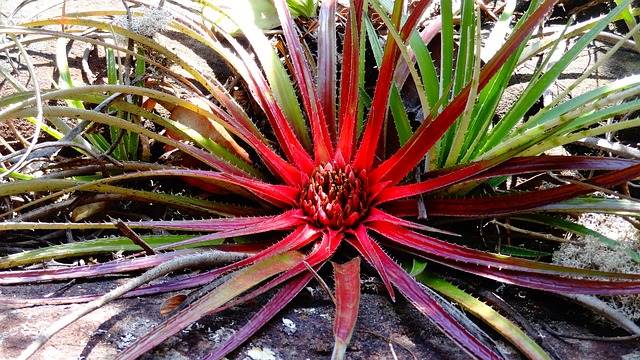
x: 260, y: 353
x: 289, y: 326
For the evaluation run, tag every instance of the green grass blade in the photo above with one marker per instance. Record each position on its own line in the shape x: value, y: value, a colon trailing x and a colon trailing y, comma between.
x: 428, y: 70
x: 67, y: 82
x: 306, y: 8
x: 462, y: 135
x: 630, y: 20
x: 400, y: 116
x: 490, y: 97
x: 446, y: 75
x: 536, y: 87
x: 63, y: 67
x: 464, y: 61
x: 112, y: 73
x: 581, y: 112
x: 447, y: 47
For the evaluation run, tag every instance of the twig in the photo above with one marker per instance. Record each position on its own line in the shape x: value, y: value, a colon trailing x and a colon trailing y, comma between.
x: 610, y: 146
x: 85, y: 64
x: 126, y: 230
x: 390, y: 340
x: 322, y: 283
x: 513, y: 313
x: 393, y: 352
x: 422, y: 210
x: 207, y: 258
x: 603, y: 190
x: 613, y: 38
x: 591, y: 338
x: 528, y: 232
x: 17, y: 134
x: 486, y: 10
x: 61, y: 289
x: 602, y: 308
x: 198, y: 293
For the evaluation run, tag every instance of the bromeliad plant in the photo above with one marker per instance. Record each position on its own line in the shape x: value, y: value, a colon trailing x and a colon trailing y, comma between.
x: 324, y: 170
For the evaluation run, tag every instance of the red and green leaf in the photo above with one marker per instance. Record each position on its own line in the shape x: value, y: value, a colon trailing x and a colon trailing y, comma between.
x: 347, y: 296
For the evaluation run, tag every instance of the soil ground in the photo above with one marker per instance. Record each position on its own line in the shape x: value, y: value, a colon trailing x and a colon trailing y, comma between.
x: 385, y: 329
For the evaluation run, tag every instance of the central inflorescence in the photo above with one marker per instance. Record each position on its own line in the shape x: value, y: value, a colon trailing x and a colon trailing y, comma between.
x: 334, y: 197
